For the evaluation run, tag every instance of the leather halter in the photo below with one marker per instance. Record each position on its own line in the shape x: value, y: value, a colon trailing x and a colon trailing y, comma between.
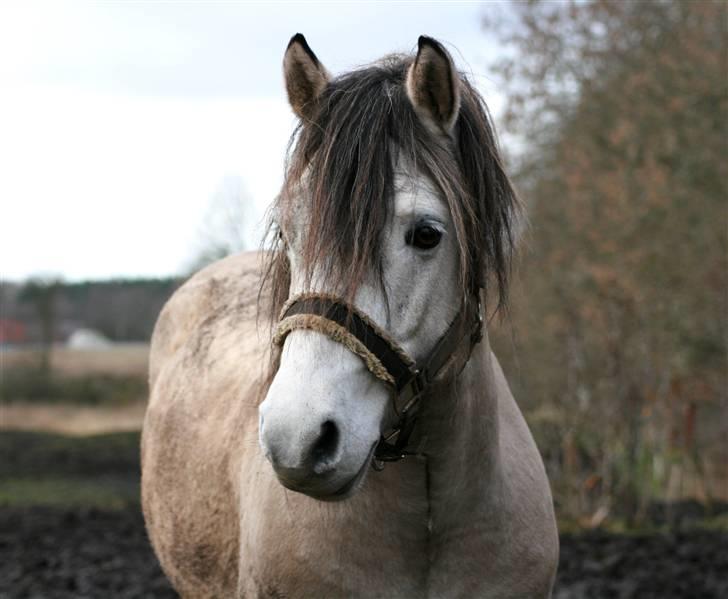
x: 385, y: 358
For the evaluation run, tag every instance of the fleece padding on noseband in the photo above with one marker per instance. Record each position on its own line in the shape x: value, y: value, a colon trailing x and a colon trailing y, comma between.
x: 384, y: 335
x: 335, y: 332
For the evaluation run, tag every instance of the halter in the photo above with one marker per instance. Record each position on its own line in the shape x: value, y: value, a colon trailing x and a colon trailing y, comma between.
x: 384, y: 357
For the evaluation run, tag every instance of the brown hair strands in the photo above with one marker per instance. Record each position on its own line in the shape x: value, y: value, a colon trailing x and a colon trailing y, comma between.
x: 344, y: 159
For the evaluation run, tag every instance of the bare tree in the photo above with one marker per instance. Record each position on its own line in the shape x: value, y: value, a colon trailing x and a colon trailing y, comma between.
x: 42, y: 293
x: 223, y: 230
x: 623, y: 306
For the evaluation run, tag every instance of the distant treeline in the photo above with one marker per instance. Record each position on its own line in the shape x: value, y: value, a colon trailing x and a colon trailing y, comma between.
x: 120, y: 309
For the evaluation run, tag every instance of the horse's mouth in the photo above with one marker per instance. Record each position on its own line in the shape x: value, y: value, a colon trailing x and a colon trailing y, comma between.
x: 351, y: 486
x: 354, y: 484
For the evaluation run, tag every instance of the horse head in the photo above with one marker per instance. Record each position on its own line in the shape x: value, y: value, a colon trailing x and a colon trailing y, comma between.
x: 394, y: 212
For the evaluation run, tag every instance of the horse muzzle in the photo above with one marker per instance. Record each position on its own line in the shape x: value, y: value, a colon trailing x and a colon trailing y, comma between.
x: 312, y: 459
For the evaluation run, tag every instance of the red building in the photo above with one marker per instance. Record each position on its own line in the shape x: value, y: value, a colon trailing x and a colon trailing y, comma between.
x: 12, y: 331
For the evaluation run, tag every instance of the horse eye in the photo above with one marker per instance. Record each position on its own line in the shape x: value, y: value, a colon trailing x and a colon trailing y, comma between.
x: 424, y: 237
x: 280, y: 237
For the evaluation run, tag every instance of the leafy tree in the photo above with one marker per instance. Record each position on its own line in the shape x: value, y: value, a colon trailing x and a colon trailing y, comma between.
x: 623, y: 310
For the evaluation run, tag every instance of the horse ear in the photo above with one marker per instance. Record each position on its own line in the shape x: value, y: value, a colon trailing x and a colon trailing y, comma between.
x: 305, y: 76
x: 433, y: 86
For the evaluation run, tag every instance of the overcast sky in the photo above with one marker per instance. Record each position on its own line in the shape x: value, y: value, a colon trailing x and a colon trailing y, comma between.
x: 118, y: 121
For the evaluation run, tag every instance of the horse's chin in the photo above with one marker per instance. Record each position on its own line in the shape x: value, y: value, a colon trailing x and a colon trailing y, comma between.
x: 335, y: 491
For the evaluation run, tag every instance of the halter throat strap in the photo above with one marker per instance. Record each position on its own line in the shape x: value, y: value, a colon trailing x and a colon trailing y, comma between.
x: 383, y: 356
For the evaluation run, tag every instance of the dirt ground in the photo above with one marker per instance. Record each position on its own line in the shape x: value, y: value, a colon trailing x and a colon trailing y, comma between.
x: 77, y: 553
x: 71, y: 527
x: 689, y: 565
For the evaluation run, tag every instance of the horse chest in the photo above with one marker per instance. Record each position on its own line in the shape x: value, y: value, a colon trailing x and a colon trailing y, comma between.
x: 373, y: 545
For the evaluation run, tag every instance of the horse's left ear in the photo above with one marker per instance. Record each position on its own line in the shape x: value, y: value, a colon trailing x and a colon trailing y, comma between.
x: 305, y: 77
x: 433, y: 86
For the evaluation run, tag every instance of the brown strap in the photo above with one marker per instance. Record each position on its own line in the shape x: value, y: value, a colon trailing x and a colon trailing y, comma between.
x: 395, y: 443
x: 410, y: 379
x: 391, y: 356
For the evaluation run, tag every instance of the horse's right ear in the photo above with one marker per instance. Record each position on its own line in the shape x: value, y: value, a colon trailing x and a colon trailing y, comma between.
x: 305, y: 77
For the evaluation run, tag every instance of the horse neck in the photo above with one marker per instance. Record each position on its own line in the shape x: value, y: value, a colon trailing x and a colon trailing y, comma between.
x: 460, y: 427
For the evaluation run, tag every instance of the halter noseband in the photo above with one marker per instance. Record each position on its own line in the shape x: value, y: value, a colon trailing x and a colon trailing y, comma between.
x: 383, y: 356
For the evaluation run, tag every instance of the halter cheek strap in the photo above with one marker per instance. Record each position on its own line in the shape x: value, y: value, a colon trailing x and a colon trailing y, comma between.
x: 383, y: 356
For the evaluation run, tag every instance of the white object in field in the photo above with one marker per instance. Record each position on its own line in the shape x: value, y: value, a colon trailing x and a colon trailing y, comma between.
x: 87, y: 339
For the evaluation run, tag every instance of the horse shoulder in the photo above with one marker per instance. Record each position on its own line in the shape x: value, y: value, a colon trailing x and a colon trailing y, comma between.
x: 533, y: 544
x: 205, y: 360
x: 230, y: 282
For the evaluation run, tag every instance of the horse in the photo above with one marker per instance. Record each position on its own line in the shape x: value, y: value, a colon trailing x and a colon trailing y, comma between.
x: 365, y: 442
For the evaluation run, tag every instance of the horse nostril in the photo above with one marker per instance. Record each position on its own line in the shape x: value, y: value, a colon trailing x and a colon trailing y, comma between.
x: 324, y: 449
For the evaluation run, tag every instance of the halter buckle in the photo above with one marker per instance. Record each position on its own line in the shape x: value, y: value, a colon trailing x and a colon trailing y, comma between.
x: 392, y: 446
x: 477, y: 334
x: 411, y: 392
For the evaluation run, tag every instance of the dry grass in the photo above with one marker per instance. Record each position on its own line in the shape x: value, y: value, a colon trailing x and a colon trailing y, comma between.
x: 70, y: 419
x: 128, y: 359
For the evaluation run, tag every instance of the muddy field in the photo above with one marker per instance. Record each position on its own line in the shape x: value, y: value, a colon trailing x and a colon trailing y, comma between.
x: 70, y: 526
x: 65, y: 553
x: 57, y: 552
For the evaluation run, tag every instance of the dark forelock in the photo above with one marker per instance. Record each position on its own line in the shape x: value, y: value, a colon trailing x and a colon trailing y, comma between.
x: 363, y: 123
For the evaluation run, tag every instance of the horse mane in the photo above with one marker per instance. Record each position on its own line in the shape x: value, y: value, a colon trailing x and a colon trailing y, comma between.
x: 345, y: 157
